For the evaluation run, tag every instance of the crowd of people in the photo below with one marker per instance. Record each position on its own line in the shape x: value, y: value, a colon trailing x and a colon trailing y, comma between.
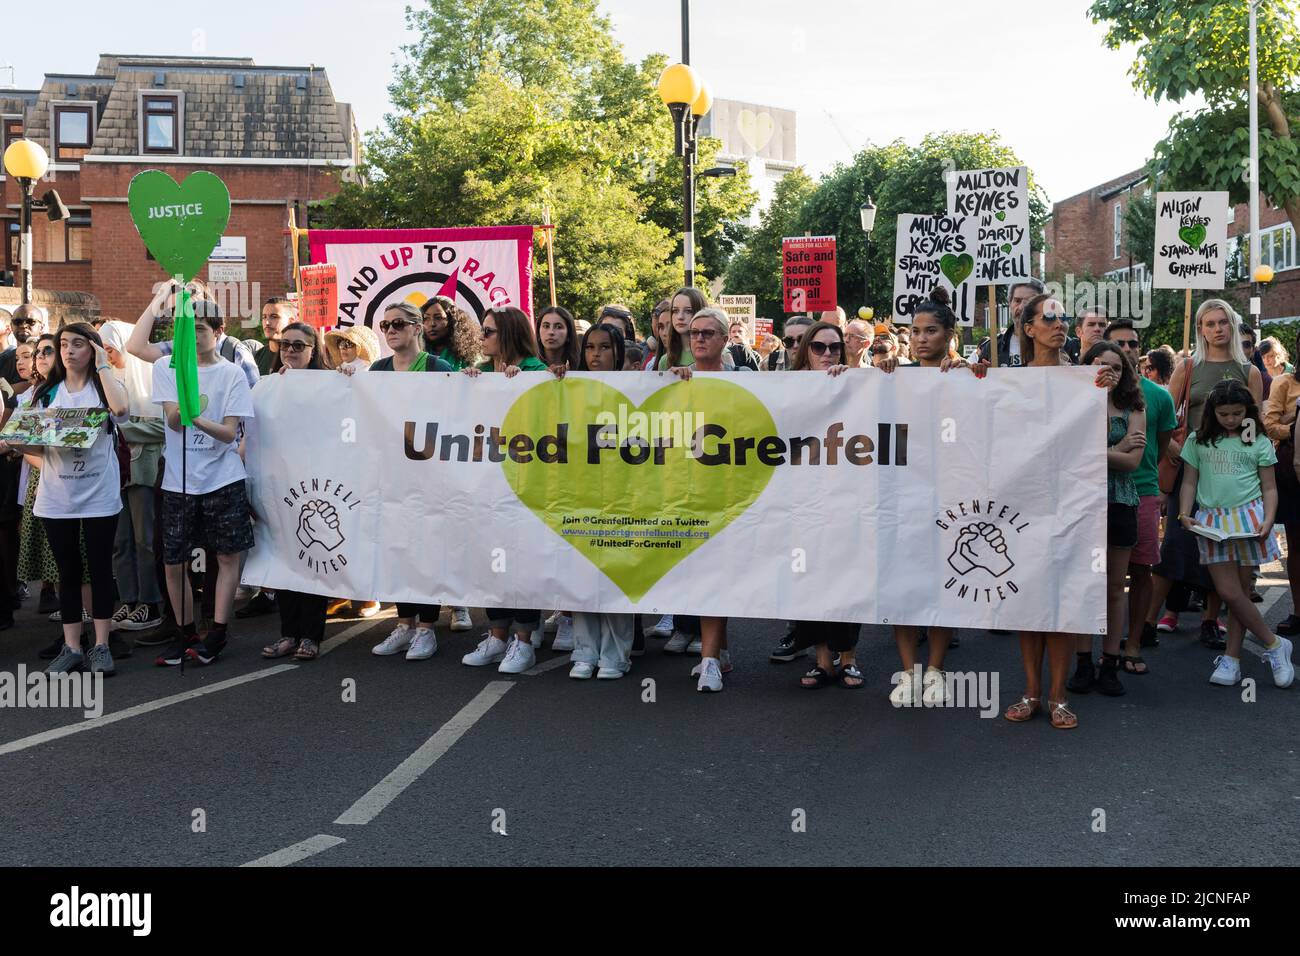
x: 122, y: 533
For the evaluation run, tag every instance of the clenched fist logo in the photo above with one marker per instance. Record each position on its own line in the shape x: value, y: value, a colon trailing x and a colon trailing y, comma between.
x: 318, y: 523
x: 981, y: 545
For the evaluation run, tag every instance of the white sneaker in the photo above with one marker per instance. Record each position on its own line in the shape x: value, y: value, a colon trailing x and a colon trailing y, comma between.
x: 563, y: 635
x: 609, y: 673
x: 1227, y: 672
x: 710, y: 675
x: 695, y: 646
x: 678, y: 643
x: 490, y: 650
x: 582, y: 670
x: 664, y: 628
x: 903, y: 695
x: 553, y: 622
x: 395, y: 642
x: 934, y: 688
x: 519, y: 657
x: 460, y: 619
x: 538, y: 637
x: 423, y: 646
x: 1279, y: 658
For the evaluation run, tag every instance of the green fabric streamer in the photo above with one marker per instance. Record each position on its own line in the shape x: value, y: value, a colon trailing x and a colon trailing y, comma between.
x: 185, y: 359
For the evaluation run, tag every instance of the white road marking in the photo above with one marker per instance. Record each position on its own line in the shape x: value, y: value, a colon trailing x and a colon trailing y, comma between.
x: 548, y: 666
x: 409, y: 770
x: 299, y: 851
x: 149, y: 707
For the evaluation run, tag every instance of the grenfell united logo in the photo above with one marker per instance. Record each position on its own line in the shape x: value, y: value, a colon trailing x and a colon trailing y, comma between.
x: 320, y: 515
x: 981, y: 539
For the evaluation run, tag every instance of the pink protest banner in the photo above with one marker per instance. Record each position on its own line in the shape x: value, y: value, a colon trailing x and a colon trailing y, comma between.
x: 489, y: 266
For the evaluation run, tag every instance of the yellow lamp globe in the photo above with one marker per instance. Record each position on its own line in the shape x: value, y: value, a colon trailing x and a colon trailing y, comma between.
x: 24, y: 159
x: 679, y: 84
x: 1263, y: 273
x: 702, y: 103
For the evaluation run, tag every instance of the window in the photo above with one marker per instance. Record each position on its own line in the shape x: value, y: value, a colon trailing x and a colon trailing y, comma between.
x: 66, y: 241
x: 1118, y: 229
x: 1277, y: 247
x: 161, y: 126
x: 74, y: 130
x: 80, y: 245
x: 11, y: 130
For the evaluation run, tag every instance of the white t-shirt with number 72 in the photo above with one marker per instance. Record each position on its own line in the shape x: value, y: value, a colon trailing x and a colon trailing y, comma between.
x: 209, y: 464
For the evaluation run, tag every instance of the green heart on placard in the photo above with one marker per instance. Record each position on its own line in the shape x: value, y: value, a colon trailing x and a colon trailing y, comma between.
x: 583, y: 503
x: 957, y: 268
x: 180, y: 224
x: 1000, y: 216
x: 1006, y: 247
x: 1193, y: 235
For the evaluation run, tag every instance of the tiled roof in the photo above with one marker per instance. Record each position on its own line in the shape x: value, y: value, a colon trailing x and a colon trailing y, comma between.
x: 277, y: 112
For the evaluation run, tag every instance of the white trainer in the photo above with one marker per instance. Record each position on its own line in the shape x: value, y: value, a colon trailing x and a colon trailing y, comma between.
x: 664, y: 628
x: 460, y: 619
x: 582, y: 670
x: 904, y: 694
x: 553, y: 622
x: 934, y: 688
x: 678, y: 643
x: 1227, y: 672
x: 563, y: 635
x: 490, y: 650
x: 609, y: 673
x: 423, y: 646
x: 519, y: 657
x: 394, y: 643
x: 710, y: 676
x: 1279, y: 658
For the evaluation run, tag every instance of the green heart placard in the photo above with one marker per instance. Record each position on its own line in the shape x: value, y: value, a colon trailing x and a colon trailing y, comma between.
x: 180, y: 224
x: 1000, y: 216
x: 957, y: 268
x: 1007, y: 247
x: 665, y: 511
x: 1193, y: 235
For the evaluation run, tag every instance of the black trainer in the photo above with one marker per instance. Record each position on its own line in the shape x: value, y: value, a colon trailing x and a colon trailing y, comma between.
x: 1210, y: 636
x: 209, y: 649
x: 175, y: 652
x: 1085, y: 674
x: 1150, y: 637
x: 119, y: 646
x: 259, y: 605
x: 49, y: 602
x: 1108, y: 676
x: 786, y: 651
x: 1289, y: 627
x: 51, y: 652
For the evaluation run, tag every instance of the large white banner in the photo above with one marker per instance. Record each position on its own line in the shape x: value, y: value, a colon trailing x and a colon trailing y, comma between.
x: 914, y: 498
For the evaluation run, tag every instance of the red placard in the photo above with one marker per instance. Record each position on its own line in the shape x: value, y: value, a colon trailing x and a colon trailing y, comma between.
x: 808, y: 273
x: 319, y: 306
x: 761, y: 327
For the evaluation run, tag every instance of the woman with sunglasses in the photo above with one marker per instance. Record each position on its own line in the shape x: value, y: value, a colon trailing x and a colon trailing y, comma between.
x: 707, y: 334
x: 511, y: 348
x: 302, y: 616
x: 1043, y: 327
x: 451, y: 333
x: 80, y: 496
x: 557, y: 338
x: 402, y: 327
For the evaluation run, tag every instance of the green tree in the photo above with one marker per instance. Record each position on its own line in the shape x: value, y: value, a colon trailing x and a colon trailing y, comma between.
x: 504, y: 110
x: 756, y: 269
x: 1186, y: 47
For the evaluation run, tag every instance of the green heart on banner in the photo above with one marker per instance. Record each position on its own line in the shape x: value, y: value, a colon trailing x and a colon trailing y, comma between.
x: 180, y: 224
x: 575, y: 499
x: 1007, y: 247
x: 1000, y: 216
x: 957, y: 268
x: 1193, y: 235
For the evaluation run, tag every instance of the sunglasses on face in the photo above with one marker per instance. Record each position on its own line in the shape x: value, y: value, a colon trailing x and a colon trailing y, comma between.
x: 47, y: 351
x: 1050, y: 319
x: 294, y: 347
x: 704, y: 334
x: 23, y: 323
x: 394, y: 324
x: 821, y: 348
x: 791, y: 341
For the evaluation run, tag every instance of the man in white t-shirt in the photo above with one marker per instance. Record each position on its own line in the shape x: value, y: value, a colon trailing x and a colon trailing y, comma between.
x: 204, y: 499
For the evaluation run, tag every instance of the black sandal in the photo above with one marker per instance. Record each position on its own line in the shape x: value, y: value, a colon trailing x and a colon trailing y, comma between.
x: 1130, y: 666
x: 852, y: 672
x: 820, y: 676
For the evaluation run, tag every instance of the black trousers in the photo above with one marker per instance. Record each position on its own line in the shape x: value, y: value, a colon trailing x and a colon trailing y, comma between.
x: 64, y: 536
x: 839, y: 636
x: 8, y: 566
x: 427, y: 613
x: 302, y: 616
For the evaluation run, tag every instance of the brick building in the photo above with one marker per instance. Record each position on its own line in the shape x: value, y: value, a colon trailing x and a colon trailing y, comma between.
x: 275, y: 135
x: 1086, y: 236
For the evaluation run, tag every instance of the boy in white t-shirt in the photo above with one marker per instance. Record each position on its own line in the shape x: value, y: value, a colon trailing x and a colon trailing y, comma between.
x: 204, y: 498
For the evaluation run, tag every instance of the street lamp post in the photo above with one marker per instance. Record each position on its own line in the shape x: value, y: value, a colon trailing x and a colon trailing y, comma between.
x: 26, y: 162
x: 1255, y: 304
x: 687, y: 100
x: 868, y: 213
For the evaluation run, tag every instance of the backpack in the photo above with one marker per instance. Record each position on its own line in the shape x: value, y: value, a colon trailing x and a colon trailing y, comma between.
x: 230, y: 343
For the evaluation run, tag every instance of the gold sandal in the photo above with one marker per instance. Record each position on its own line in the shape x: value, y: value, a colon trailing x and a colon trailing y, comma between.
x: 1062, y: 717
x: 1023, y: 709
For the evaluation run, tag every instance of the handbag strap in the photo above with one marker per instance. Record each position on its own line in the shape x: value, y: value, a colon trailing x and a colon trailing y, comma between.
x: 1187, y: 393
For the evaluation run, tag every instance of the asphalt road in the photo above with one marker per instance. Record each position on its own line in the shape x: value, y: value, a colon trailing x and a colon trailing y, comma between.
x: 438, y: 763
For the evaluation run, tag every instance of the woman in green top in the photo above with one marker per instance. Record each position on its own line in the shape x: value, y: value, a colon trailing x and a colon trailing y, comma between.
x: 1126, y: 440
x: 508, y: 344
x: 451, y: 333
x: 683, y: 305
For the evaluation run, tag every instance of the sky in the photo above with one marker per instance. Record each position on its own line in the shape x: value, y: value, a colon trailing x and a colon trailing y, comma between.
x: 857, y: 71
